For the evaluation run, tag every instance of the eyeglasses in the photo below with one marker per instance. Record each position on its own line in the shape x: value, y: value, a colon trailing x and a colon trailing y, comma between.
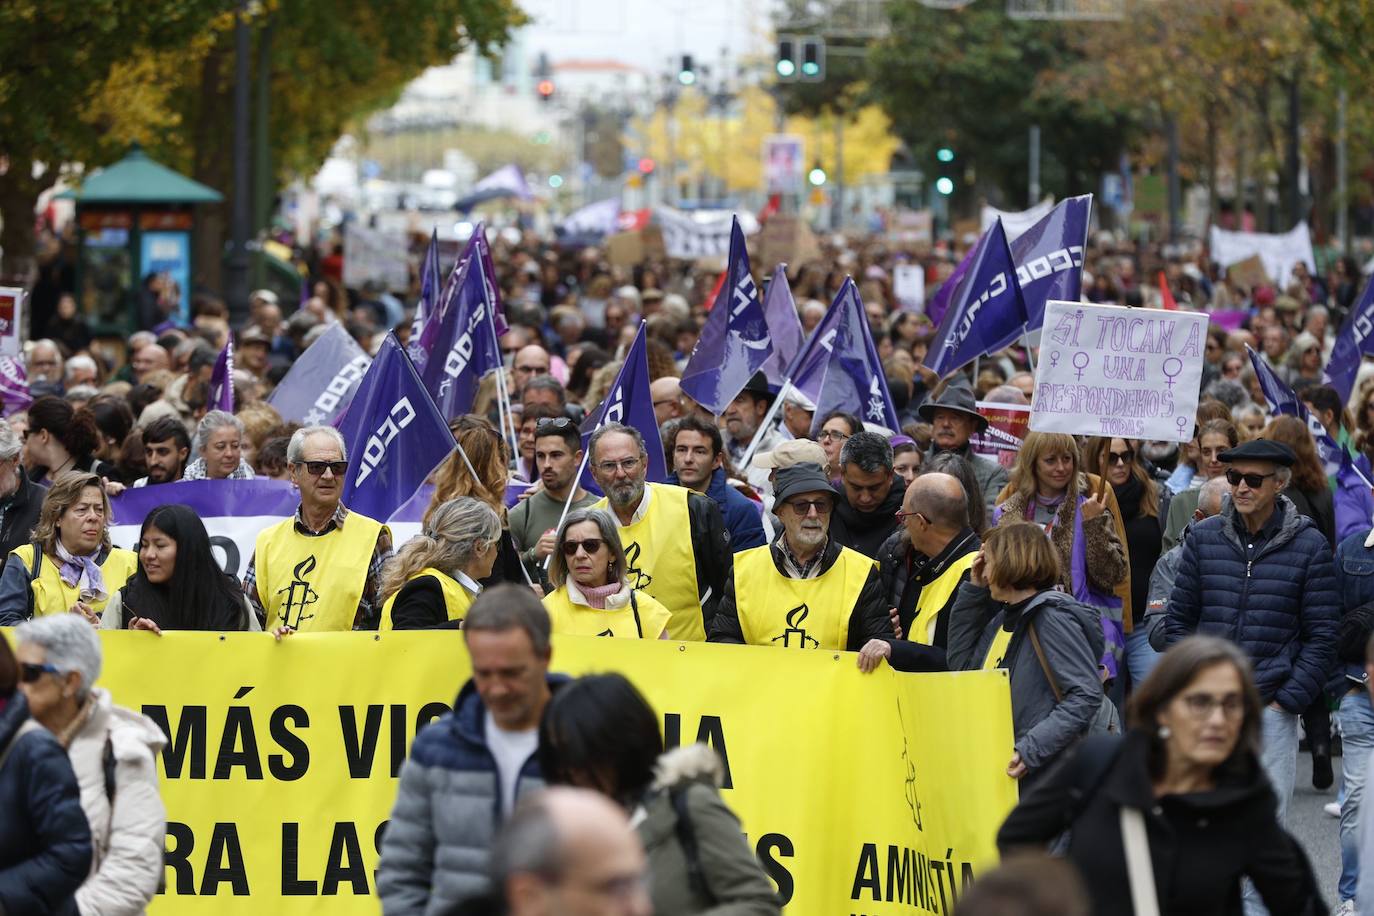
x: 1125, y: 457
x: 30, y: 672
x: 831, y: 434
x: 624, y: 464
x: 903, y: 516
x: 590, y: 545
x: 1253, y: 481
x: 1202, y: 705
x: 316, y: 468
x: 804, y: 506
x: 553, y: 423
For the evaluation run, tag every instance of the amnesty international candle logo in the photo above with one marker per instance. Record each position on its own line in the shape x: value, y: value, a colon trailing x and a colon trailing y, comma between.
x: 638, y: 578
x: 795, y: 636
x: 299, y: 594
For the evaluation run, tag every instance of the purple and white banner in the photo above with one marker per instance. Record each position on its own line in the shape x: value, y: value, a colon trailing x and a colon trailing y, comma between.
x: 234, y: 511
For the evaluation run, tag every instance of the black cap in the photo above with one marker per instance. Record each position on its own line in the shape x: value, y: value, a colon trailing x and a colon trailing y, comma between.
x: 1260, y: 450
x: 758, y: 386
x: 801, y: 478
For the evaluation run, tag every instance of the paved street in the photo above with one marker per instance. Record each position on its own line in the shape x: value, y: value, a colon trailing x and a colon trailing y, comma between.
x: 1318, y: 832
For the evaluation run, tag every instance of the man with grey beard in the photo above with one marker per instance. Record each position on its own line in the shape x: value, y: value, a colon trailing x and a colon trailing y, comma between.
x: 675, y: 540
x: 803, y: 591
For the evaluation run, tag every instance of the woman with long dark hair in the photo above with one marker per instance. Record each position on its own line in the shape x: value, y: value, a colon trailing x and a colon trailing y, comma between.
x: 61, y: 438
x: 178, y: 585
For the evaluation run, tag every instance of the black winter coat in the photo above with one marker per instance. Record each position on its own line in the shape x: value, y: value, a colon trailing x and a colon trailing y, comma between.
x: 1200, y: 844
x: 21, y: 515
x: 866, y: 531
x: 45, y: 839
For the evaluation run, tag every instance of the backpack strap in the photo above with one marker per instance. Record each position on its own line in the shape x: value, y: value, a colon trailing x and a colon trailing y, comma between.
x: 687, y: 838
x: 1044, y: 663
x: 28, y: 725
x: 107, y: 762
x: 34, y: 569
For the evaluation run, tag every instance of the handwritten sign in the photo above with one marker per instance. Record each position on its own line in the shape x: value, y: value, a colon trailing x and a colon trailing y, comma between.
x: 1109, y: 371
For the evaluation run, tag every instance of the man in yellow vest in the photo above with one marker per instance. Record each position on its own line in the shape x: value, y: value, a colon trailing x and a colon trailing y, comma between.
x: 923, y: 564
x: 321, y: 569
x: 803, y: 591
x: 676, y: 544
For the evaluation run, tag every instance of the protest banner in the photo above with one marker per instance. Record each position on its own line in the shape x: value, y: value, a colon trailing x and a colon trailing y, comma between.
x: 283, y: 757
x: 1007, y: 428
x: 375, y: 256
x: 12, y: 321
x: 1015, y: 222
x: 909, y: 287
x: 1107, y: 371
x: 911, y: 228
x: 704, y: 236
x: 786, y: 238
x: 234, y: 511
x: 1279, y: 252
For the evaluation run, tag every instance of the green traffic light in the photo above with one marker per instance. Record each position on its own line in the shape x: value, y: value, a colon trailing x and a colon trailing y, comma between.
x: 787, y: 68
x: 817, y: 176
x: 944, y: 154
x: 944, y: 185
x: 811, y: 68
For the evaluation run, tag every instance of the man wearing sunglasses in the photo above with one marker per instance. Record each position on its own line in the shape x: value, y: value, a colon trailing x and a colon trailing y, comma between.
x: 1262, y: 575
x: 803, y: 591
x: 321, y: 569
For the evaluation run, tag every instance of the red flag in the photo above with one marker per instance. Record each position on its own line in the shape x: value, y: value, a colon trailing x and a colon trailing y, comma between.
x: 771, y: 207
x: 715, y: 290
x: 1164, y: 293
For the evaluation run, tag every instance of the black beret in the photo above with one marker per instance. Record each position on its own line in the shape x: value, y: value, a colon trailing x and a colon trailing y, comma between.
x: 1260, y: 450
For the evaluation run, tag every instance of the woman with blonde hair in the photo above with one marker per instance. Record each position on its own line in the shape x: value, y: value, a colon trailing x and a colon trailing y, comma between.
x: 70, y: 565
x: 592, y: 596
x: 1078, y: 512
x: 432, y: 581
x: 487, y: 451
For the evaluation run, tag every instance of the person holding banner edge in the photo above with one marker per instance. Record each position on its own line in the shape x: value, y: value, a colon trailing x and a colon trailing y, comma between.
x: 319, y: 570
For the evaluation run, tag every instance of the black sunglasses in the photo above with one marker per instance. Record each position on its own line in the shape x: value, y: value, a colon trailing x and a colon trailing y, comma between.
x: 553, y: 423
x: 591, y: 545
x: 30, y: 672
x: 1253, y: 481
x: 316, y: 468
x: 1125, y: 457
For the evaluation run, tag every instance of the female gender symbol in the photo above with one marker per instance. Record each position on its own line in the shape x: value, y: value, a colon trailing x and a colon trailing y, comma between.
x: 1054, y: 359
x: 1080, y: 362
x: 1182, y: 423
x: 1172, y: 367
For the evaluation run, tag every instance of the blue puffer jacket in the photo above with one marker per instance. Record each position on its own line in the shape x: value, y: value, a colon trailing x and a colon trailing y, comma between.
x: 448, y: 809
x: 743, y: 517
x: 1282, y: 609
x: 45, y: 839
x: 1355, y: 581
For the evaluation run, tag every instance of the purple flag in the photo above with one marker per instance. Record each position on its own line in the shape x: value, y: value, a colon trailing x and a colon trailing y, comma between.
x: 1049, y: 259
x: 321, y: 382
x: 478, y: 243
x: 395, y: 435
x: 628, y: 401
x: 421, y: 348
x: 430, y: 286
x: 305, y: 291
x: 1282, y: 400
x: 807, y: 371
x: 784, y: 326
x: 985, y: 308
x: 1355, y: 340
x: 222, y: 379
x: 735, y: 342
x: 464, y: 346
x: 854, y: 380
x: 14, y: 386
x: 939, y: 303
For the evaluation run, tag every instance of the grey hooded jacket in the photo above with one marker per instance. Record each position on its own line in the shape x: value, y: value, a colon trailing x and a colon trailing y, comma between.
x: 1071, y: 635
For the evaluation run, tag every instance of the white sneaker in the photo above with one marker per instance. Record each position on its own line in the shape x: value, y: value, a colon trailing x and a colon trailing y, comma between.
x: 1347, y: 908
x: 1334, y: 809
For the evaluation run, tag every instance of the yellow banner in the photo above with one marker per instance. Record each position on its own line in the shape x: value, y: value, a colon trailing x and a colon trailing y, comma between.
x: 872, y: 794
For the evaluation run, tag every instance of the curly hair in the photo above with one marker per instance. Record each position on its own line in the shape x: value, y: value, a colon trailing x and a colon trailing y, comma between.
x: 64, y: 493
x: 485, y: 449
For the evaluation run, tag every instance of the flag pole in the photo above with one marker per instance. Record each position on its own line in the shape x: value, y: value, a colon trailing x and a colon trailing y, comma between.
x: 767, y: 422
x: 1025, y: 340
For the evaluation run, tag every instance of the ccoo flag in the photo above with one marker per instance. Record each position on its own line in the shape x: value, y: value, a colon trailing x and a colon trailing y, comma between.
x: 431, y: 284
x: 784, y: 326
x: 1282, y: 400
x: 735, y: 342
x: 1049, y: 260
x: 986, y: 309
x: 1355, y: 340
x: 628, y: 401
x: 854, y: 380
x: 395, y: 435
x: 464, y: 346
x: 478, y: 243
x: 320, y: 383
x: 222, y: 379
x: 939, y: 303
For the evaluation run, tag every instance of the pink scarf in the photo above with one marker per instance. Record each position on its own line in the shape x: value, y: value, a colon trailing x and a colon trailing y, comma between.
x: 596, y: 595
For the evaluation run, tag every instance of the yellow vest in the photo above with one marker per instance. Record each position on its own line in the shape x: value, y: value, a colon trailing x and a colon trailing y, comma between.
x: 456, y: 597
x: 934, y: 597
x: 53, y: 596
x: 642, y: 618
x: 658, y: 552
x: 776, y: 610
x: 314, y: 584
x: 997, y: 651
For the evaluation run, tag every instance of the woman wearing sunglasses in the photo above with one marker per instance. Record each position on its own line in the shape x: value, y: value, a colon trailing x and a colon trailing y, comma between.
x: 591, y: 595
x: 70, y: 564
x: 1144, y: 504
x: 432, y: 582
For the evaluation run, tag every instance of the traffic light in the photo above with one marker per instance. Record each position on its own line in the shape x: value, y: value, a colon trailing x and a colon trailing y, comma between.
x: 786, y: 65
x: 646, y: 166
x: 543, y: 74
x: 944, y: 183
x: 545, y: 89
x: 686, y: 74
x: 816, y: 176
x: 812, y: 59
x: 944, y: 154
